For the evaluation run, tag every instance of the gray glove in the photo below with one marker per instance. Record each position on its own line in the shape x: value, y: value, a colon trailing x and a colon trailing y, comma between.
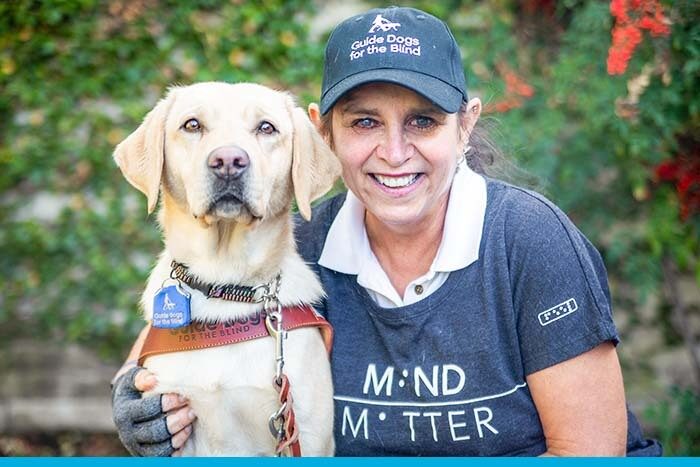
x: 140, y: 421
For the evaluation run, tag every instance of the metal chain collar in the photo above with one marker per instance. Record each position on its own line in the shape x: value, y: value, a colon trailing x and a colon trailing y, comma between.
x: 230, y: 292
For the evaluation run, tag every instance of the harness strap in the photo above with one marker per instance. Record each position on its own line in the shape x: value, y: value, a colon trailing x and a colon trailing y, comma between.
x: 201, y: 335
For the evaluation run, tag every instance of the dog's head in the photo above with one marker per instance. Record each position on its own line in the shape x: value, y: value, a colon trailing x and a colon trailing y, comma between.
x: 228, y: 152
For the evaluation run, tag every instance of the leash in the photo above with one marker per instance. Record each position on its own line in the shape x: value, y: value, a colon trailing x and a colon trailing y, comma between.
x: 282, y: 423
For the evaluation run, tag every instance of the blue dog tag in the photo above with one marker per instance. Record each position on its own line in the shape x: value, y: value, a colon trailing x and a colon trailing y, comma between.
x: 171, y: 307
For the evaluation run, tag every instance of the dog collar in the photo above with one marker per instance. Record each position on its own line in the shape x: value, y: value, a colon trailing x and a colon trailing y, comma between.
x: 230, y: 292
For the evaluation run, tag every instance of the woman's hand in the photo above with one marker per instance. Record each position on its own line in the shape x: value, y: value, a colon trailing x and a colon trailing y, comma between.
x: 156, y: 425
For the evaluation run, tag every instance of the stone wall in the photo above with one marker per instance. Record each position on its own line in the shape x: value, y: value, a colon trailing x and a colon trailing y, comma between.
x: 51, y: 388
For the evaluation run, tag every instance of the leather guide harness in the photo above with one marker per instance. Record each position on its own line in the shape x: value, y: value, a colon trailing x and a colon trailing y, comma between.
x: 274, y: 321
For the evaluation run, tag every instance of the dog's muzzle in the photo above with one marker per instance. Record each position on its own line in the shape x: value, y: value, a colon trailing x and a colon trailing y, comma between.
x: 227, y: 168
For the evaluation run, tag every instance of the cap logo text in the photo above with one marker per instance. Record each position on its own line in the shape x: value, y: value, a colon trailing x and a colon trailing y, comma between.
x: 383, y: 24
x: 373, y: 43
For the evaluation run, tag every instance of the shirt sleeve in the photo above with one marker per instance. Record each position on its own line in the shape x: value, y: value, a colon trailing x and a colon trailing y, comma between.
x: 560, y: 288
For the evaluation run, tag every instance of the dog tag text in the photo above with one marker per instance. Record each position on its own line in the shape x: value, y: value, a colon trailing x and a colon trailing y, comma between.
x: 171, y: 307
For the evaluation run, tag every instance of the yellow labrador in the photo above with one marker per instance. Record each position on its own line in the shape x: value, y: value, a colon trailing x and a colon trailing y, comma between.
x: 228, y: 159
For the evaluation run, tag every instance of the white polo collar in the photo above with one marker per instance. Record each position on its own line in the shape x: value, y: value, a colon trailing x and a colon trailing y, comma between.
x: 347, y: 249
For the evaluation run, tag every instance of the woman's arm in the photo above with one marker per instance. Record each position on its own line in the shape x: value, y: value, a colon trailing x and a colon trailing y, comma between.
x: 132, y: 358
x: 148, y: 426
x: 581, y: 404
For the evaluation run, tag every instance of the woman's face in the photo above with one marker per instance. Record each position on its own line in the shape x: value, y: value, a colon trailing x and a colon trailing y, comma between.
x: 399, y: 153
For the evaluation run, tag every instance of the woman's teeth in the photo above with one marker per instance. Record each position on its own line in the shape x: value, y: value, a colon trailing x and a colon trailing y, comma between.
x: 396, y: 182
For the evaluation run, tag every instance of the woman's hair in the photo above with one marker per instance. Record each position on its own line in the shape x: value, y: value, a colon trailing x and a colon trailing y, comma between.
x: 482, y: 155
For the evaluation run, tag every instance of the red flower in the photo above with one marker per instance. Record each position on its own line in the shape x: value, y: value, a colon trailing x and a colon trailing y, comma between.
x: 684, y: 172
x: 516, y: 92
x: 631, y: 16
x: 667, y: 171
x: 516, y: 85
x: 618, y: 9
x: 625, y: 39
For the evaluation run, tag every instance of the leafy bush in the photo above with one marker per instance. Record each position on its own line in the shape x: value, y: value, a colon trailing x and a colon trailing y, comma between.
x: 620, y: 152
x: 678, y: 422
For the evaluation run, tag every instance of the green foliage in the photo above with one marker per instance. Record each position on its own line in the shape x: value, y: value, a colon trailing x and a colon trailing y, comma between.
x: 77, y: 76
x: 678, y: 422
x: 600, y: 165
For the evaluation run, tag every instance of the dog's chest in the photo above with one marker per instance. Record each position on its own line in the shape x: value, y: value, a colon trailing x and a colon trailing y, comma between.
x: 230, y: 389
x: 216, y: 368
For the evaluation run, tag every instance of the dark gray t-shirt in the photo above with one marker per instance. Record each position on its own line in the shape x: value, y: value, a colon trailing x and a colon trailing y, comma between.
x: 446, y: 376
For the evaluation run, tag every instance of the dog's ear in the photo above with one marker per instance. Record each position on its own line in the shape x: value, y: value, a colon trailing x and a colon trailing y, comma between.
x: 140, y: 155
x: 314, y: 166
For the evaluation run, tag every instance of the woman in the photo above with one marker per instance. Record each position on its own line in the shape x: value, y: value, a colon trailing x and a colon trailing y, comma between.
x: 471, y: 317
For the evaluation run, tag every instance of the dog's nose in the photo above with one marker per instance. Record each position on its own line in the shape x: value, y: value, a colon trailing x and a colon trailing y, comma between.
x: 228, y: 162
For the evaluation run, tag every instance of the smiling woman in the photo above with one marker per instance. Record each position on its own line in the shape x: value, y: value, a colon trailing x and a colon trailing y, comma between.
x: 399, y: 154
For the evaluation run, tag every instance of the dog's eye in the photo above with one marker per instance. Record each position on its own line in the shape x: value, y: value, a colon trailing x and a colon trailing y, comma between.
x: 266, y: 128
x: 192, y: 125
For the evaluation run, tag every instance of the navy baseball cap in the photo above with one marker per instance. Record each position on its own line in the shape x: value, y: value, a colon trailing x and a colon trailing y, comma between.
x: 396, y: 45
